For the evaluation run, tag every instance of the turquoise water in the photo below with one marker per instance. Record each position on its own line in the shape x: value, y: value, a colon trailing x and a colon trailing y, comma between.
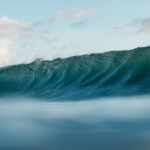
x: 89, y: 102
x: 117, y: 73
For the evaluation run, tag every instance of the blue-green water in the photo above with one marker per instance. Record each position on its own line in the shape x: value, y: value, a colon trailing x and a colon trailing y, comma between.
x: 90, y: 102
x: 117, y: 73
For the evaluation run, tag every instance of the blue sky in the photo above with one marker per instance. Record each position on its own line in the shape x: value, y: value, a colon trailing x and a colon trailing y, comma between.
x: 50, y: 29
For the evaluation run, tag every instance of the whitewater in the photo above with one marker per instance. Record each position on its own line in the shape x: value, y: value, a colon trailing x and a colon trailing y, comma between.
x: 91, y: 102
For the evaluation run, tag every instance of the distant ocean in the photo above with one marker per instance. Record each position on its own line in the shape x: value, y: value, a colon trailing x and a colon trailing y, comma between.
x: 89, y: 102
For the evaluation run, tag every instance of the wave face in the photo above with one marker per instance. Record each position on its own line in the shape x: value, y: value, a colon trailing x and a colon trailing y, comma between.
x: 116, y: 73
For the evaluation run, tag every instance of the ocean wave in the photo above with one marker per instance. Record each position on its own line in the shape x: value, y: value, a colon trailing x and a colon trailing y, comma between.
x: 115, y: 73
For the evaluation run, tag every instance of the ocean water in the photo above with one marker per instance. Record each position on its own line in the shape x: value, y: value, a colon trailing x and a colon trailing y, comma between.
x: 89, y: 102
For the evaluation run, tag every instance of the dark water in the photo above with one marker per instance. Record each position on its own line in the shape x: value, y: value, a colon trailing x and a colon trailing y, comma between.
x: 90, y: 102
x: 117, y: 73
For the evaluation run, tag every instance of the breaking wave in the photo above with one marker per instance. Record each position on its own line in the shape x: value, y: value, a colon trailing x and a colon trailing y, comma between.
x: 115, y: 73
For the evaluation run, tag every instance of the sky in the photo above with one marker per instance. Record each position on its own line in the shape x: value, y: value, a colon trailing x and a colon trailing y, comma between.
x: 57, y: 29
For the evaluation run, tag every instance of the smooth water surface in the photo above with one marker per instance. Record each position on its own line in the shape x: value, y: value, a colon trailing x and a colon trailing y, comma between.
x: 113, y: 124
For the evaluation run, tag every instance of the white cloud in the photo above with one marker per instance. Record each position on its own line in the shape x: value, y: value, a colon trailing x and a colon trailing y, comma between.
x: 10, y: 27
x: 73, y: 13
x: 5, y: 55
x: 11, y: 30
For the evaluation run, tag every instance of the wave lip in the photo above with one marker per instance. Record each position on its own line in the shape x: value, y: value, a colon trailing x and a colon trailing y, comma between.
x: 115, y: 73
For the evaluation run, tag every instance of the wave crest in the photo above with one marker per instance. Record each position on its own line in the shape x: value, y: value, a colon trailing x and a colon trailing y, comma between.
x: 115, y: 73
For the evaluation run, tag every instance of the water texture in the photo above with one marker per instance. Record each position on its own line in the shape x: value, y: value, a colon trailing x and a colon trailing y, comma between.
x: 116, y: 73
